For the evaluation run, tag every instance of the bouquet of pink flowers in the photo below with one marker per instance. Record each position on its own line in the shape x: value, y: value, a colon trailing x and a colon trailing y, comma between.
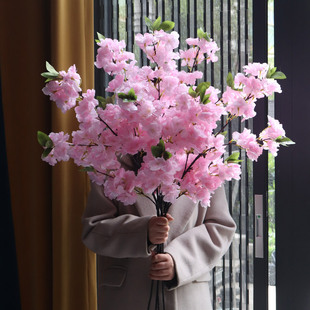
x: 160, y: 117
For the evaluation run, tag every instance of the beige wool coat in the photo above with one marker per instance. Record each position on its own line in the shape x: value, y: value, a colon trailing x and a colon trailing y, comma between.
x: 198, y: 238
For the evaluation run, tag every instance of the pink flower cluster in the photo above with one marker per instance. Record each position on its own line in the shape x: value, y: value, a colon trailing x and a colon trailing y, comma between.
x: 201, y: 49
x: 267, y: 139
x: 65, y: 90
x: 159, y: 46
x: 85, y: 111
x: 173, y: 130
x: 248, y: 141
x: 112, y: 57
x: 241, y: 99
x: 60, y: 149
x: 270, y: 134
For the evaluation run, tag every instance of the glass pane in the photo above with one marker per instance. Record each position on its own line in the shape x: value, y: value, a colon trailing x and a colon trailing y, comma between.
x: 271, y: 177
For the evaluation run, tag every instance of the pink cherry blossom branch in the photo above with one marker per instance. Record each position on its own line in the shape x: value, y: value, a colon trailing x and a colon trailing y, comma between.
x: 140, y: 192
x: 189, y: 168
x: 114, y: 133
x: 103, y: 173
x: 195, y: 61
x: 230, y: 118
x: 86, y: 145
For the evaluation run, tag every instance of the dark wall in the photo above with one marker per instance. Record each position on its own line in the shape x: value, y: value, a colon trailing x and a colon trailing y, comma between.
x: 292, y: 54
x: 260, y: 182
x: 9, y: 289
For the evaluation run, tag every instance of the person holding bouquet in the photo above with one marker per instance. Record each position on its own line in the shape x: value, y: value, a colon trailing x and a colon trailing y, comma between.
x: 195, y: 239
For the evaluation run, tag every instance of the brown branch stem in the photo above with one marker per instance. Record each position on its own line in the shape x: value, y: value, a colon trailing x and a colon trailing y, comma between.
x: 114, y: 133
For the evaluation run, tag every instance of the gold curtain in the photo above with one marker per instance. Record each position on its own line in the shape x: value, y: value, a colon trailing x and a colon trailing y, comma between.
x: 55, y: 270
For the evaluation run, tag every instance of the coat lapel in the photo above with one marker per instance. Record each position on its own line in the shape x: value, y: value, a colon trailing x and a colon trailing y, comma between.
x: 145, y: 206
x: 182, y: 212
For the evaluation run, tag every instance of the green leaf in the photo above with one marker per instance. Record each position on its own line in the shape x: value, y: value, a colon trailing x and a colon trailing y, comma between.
x: 130, y: 96
x: 166, y: 25
x: 200, y: 33
x: 203, y: 35
x: 201, y: 86
x: 285, y: 141
x: 278, y: 76
x: 192, y: 92
x: 44, y: 140
x: 233, y: 158
x: 50, y: 76
x: 48, y: 80
x: 167, y: 155
x: 161, y: 144
x: 223, y: 133
x: 202, y: 93
x: 102, y: 103
x: 100, y: 36
x: 156, y: 24
x: 270, y: 72
x: 51, y: 69
x: 122, y: 95
x: 49, y: 143
x: 206, y: 99
x: 156, y: 151
x: 148, y: 23
x: 100, y: 99
x: 111, y: 99
x: 88, y: 169
x: 274, y: 74
x: 46, y: 152
x: 201, y: 89
x: 235, y: 161
x: 230, y: 80
x: 159, y: 149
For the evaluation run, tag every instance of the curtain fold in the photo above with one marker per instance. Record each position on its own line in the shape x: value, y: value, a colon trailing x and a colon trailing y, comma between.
x: 72, y: 42
x: 55, y: 270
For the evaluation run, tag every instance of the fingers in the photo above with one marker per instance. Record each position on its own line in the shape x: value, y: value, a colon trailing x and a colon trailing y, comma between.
x: 162, y: 264
x: 159, y: 258
x: 161, y: 221
x: 161, y: 275
x: 158, y: 229
x: 162, y: 267
x: 169, y: 217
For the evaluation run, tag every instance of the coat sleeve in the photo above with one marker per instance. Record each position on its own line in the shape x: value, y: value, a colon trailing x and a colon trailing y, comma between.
x: 107, y: 233
x: 197, y: 251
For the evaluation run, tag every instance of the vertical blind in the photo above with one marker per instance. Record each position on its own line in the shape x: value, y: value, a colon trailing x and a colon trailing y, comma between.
x: 229, y: 23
